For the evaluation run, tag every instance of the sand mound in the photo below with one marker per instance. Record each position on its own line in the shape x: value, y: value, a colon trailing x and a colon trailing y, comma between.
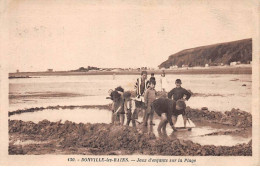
x: 235, y: 117
x: 72, y: 138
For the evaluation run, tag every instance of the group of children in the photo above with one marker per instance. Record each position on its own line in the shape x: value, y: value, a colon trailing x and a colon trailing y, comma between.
x: 166, y: 108
x: 123, y: 104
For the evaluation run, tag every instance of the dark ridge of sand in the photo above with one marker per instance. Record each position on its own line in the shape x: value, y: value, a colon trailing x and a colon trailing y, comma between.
x: 43, y: 95
x: 106, y: 139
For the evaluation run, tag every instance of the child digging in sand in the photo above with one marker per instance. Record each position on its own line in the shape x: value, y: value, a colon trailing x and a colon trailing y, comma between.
x: 165, y: 109
x: 129, y: 107
x: 117, y: 108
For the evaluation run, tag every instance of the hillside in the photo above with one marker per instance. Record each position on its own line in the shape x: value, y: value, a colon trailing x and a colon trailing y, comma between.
x: 213, y: 54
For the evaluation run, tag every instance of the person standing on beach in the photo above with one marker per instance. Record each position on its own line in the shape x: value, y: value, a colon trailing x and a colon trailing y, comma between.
x: 141, y: 86
x: 129, y: 107
x: 120, y: 90
x: 152, y: 77
x: 149, y: 97
x: 177, y: 94
x: 164, y: 84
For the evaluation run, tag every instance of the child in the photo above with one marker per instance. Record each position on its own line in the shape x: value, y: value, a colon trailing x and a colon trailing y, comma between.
x: 149, y: 97
x: 164, y: 85
x: 141, y: 86
x: 152, y: 77
x: 178, y: 92
x: 117, y: 108
x: 177, y: 95
x: 129, y: 107
x: 165, y: 108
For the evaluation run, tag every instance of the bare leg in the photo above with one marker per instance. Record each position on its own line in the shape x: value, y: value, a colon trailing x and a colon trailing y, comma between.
x: 162, y: 122
x: 184, y: 118
x: 164, y: 126
x: 151, y: 116
x: 117, y: 119
x: 129, y: 117
x: 174, y: 120
x: 122, y: 119
x: 112, y: 118
x: 146, y: 115
x: 133, y: 121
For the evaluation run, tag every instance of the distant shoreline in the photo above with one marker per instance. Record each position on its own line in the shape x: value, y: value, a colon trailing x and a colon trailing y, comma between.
x: 211, y: 70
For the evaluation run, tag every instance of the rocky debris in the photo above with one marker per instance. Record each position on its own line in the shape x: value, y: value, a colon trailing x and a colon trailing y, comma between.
x: 244, y: 85
x: 235, y: 117
x: 103, y: 139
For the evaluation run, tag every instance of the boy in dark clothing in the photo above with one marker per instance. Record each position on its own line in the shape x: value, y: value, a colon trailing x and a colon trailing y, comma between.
x: 168, y: 109
x: 178, y: 92
x: 152, y: 77
x: 149, y: 97
x: 177, y: 95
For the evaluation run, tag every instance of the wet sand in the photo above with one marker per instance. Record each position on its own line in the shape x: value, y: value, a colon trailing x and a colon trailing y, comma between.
x: 30, y: 137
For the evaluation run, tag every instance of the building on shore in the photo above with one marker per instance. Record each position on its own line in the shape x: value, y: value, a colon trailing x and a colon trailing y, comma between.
x: 49, y: 70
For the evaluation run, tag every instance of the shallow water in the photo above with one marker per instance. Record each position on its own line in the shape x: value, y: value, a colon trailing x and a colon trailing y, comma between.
x: 104, y: 116
x: 217, y: 92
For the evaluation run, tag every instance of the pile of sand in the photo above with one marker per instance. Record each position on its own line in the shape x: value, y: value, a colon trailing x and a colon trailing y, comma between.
x: 103, y: 139
x: 235, y: 117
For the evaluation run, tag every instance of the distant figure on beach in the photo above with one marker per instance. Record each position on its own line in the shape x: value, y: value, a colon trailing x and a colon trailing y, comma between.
x: 164, y: 84
x: 152, y: 77
x: 177, y: 94
x: 141, y: 86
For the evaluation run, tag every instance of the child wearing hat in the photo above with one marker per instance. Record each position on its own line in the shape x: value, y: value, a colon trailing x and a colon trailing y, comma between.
x: 129, y: 107
x: 177, y: 95
x: 178, y: 92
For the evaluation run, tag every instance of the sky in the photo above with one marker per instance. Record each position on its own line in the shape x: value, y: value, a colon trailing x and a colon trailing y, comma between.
x: 66, y: 35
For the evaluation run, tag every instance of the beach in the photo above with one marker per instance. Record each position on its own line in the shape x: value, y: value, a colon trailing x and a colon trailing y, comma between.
x: 47, y: 105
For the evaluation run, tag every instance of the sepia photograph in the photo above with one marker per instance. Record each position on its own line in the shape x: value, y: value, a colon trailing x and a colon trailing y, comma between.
x: 150, y: 80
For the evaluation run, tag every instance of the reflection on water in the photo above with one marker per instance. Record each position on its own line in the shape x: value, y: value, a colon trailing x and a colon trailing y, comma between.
x: 75, y: 115
x: 104, y: 116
